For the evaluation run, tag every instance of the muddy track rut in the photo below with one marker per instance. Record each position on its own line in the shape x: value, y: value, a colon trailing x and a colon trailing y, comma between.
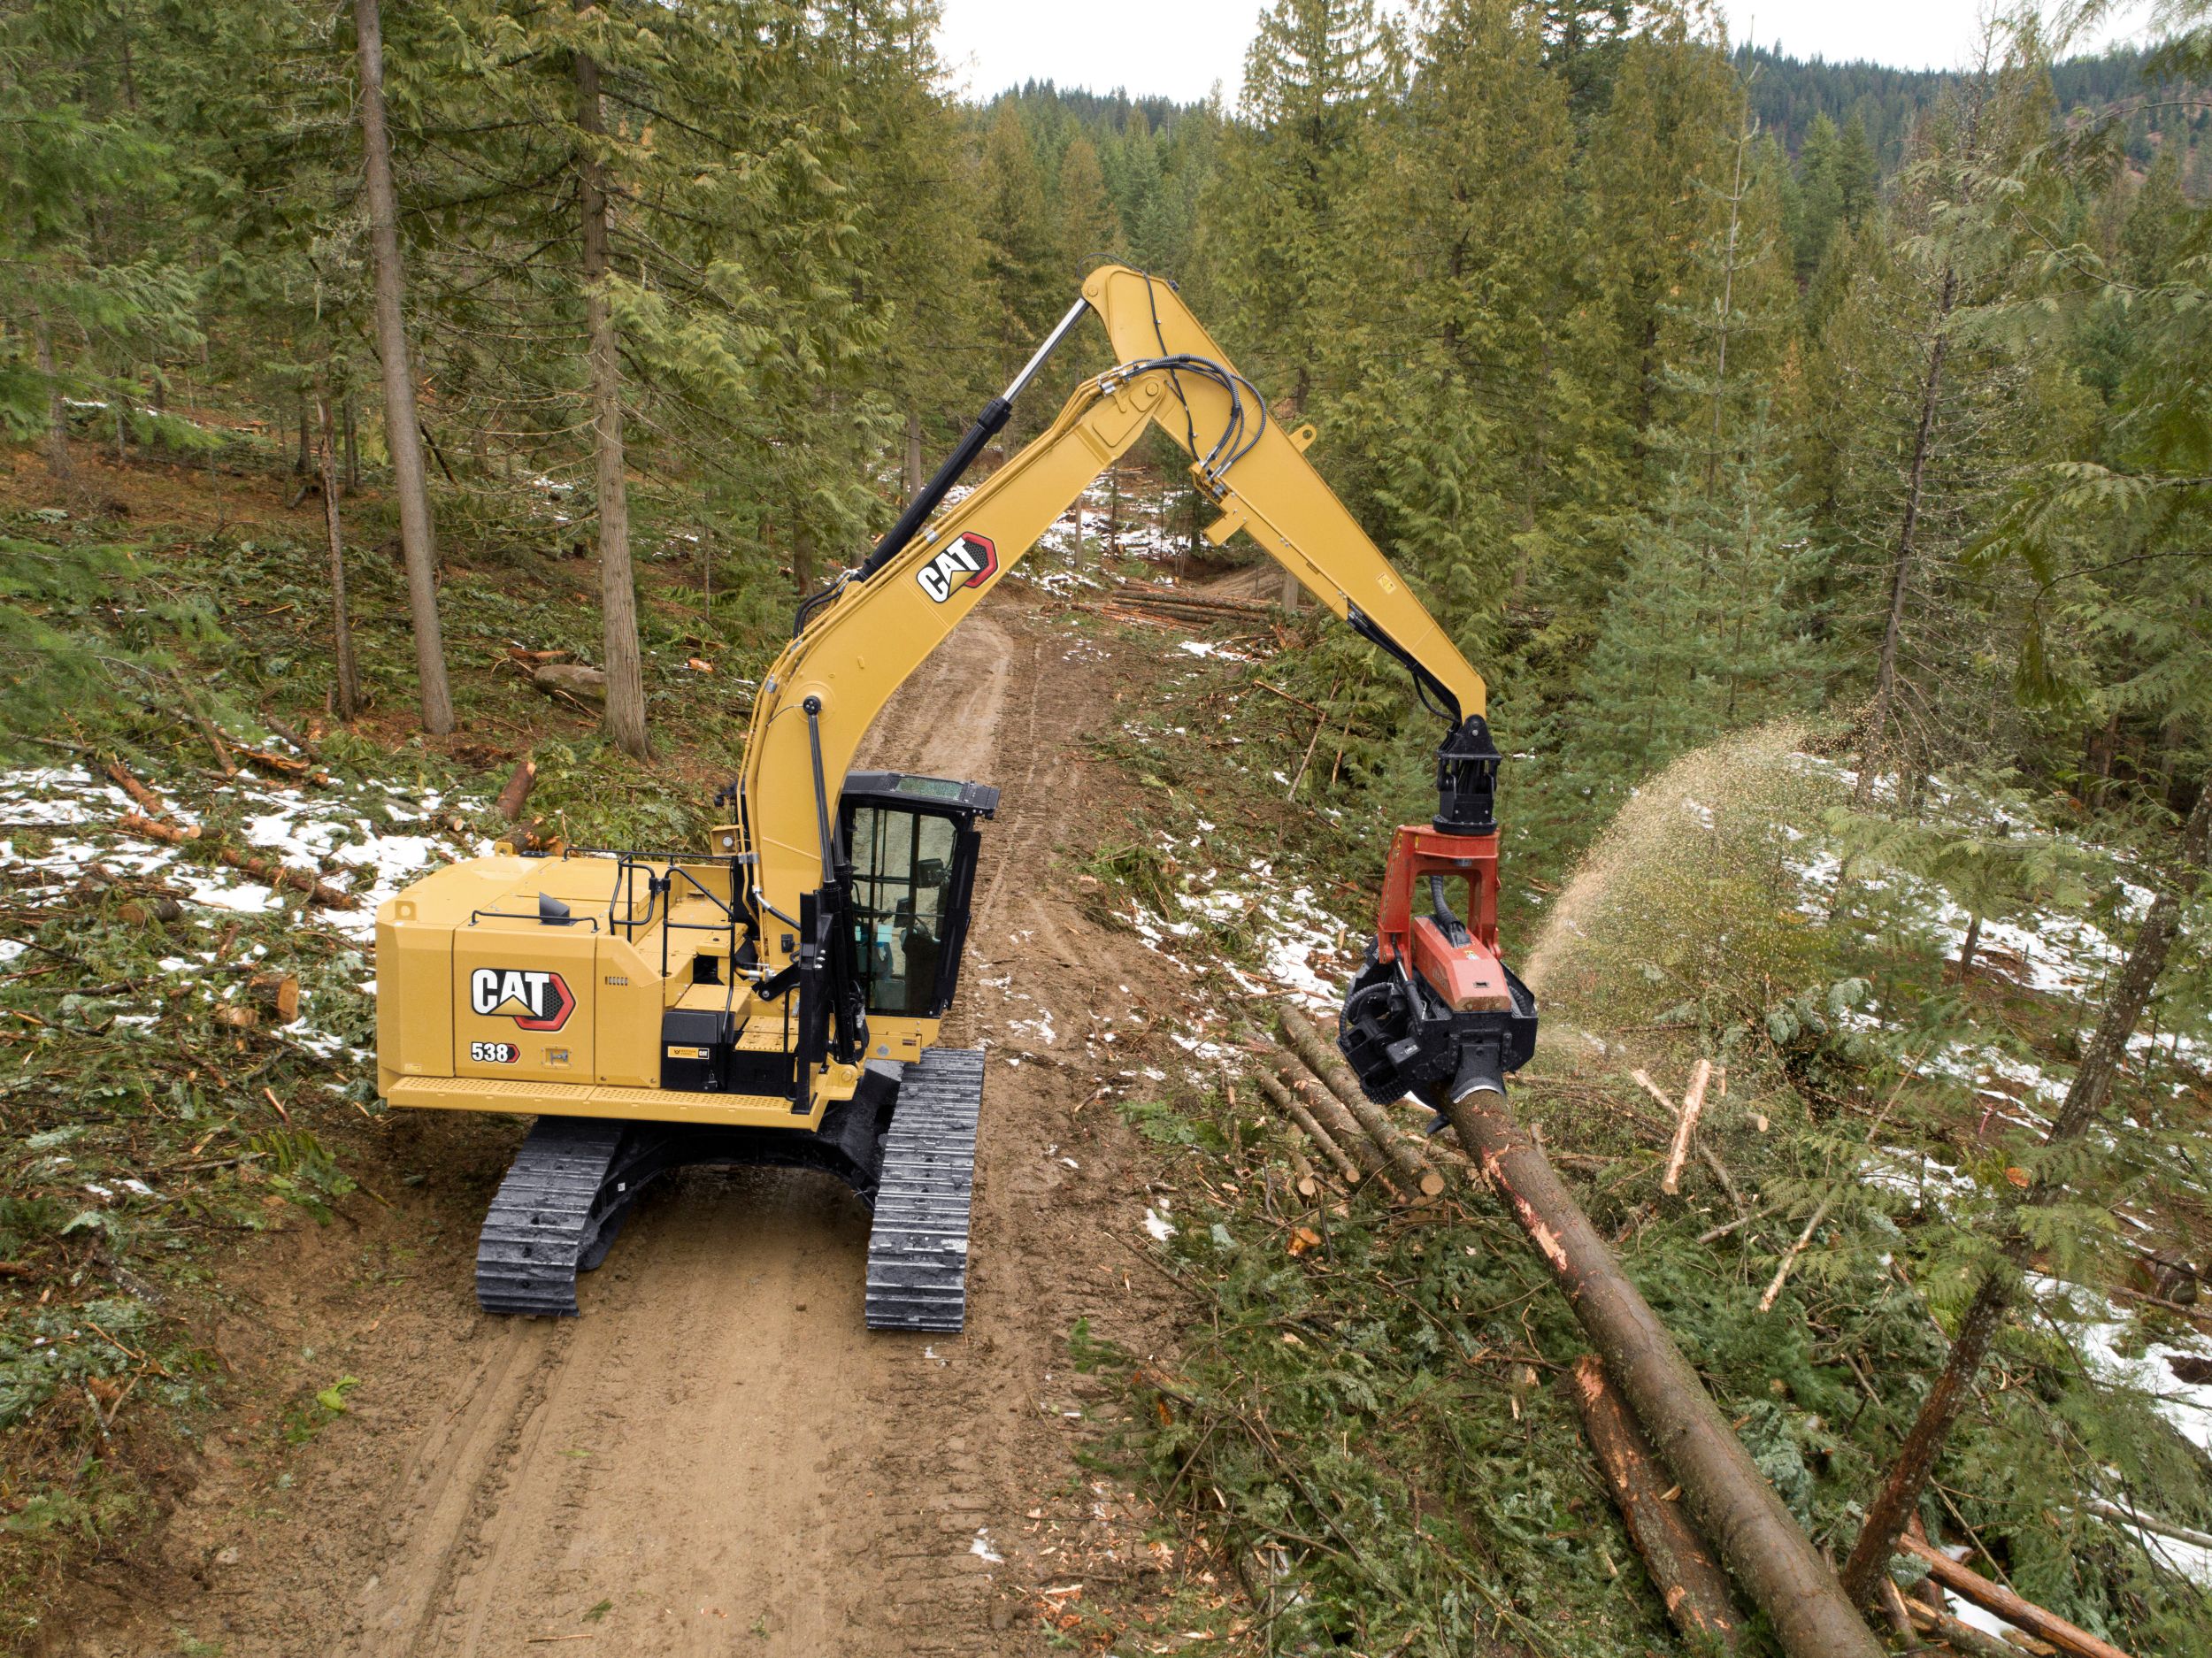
x: 718, y: 1457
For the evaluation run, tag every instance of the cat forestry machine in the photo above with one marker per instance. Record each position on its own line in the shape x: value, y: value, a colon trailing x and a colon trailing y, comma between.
x: 777, y: 998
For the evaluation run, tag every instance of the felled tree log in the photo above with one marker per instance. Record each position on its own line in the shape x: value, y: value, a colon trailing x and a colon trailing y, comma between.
x: 1341, y: 1126
x: 1411, y: 1172
x: 520, y: 783
x: 1994, y: 1597
x: 1294, y: 1109
x: 1729, y: 1500
x: 572, y: 680
x: 264, y: 870
x: 1689, y: 1580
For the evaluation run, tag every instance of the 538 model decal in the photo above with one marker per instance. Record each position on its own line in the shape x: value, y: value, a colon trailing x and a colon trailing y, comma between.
x: 969, y: 562
x: 535, y: 1001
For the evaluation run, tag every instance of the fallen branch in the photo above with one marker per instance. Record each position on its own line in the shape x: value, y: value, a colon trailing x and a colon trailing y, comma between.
x: 263, y: 870
x: 1996, y: 1598
x: 1960, y: 1637
x: 1411, y: 1172
x: 1820, y: 1213
x: 2149, y: 1523
x: 1789, y: 1256
x: 1689, y: 1580
x: 1705, y: 1154
x: 1692, y: 1106
x: 1295, y: 1111
x: 1729, y: 1500
x: 120, y: 776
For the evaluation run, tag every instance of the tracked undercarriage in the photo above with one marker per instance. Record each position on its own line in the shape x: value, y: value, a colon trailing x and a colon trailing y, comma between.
x: 904, y: 1143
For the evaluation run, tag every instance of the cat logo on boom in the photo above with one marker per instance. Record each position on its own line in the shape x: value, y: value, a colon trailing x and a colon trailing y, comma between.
x: 969, y: 562
x: 533, y: 1001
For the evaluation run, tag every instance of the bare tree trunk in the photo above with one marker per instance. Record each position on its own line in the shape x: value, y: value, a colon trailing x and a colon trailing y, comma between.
x: 802, y: 556
x: 56, y: 410
x: 618, y: 588
x: 1968, y: 945
x: 1766, y: 1552
x: 403, y: 426
x: 913, y: 454
x: 348, y: 676
x: 1907, y: 531
x: 353, y: 447
x: 1891, y: 1509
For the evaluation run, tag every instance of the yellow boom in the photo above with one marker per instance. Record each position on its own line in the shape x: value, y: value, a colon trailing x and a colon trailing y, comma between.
x: 857, y: 650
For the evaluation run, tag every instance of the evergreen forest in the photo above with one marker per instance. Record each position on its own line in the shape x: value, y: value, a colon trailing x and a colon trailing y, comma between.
x: 1814, y: 458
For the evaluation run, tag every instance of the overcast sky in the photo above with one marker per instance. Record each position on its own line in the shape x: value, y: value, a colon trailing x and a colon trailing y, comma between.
x: 1182, y: 48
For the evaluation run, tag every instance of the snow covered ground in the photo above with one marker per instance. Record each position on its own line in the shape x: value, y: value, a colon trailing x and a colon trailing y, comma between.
x: 369, y: 840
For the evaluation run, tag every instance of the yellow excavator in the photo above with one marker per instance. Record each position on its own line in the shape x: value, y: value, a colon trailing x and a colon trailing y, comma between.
x: 777, y: 998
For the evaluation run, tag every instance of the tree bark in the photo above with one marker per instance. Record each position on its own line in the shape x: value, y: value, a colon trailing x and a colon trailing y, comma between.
x: 1409, y: 1172
x: 1730, y: 1500
x: 56, y: 410
x: 348, y: 676
x: 2020, y: 1612
x: 1294, y: 1109
x: 402, y: 425
x: 1681, y: 1564
x: 625, y: 720
x: 1892, y: 1508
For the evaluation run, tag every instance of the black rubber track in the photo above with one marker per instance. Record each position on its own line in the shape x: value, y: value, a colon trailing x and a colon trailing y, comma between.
x: 547, y: 1218
x: 917, y: 1254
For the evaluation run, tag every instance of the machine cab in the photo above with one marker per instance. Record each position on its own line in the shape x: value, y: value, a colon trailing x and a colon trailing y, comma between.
x: 913, y: 844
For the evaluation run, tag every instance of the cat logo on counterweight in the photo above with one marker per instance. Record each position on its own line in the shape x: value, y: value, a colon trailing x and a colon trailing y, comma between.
x: 535, y: 1001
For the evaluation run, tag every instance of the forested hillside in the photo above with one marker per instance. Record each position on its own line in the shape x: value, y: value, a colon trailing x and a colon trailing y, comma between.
x: 1813, y: 458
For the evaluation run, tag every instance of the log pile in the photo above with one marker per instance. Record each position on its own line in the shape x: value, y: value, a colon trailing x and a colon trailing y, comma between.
x: 1144, y: 602
x: 1311, y: 1085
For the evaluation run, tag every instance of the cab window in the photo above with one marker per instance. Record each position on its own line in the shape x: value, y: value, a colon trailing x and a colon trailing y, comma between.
x: 903, y: 868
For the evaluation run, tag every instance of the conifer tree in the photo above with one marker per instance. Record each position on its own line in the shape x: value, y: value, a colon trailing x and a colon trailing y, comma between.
x: 1090, y: 229
x: 1314, y: 72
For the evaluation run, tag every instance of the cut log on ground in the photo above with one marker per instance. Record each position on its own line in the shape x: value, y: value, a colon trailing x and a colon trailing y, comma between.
x: 120, y: 776
x: 1996, y: 1598
x: 1341, y: 1124
x: 1682, y: 1566
x: 1294, y: 1109
x: 1730, y: 1501
x: 520, y: 783
x: 280, y: 993
x: 1692, y: 1106
x: 571, y: 680
x: 284, y: 765
x: 263, y: 870
x: 1410, y: 1172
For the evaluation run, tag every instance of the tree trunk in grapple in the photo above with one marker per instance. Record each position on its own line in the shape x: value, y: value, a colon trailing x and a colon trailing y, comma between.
x: 1769, y: 1556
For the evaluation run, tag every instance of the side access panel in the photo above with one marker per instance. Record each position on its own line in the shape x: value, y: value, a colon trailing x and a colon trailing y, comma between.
x: 917, y: 1251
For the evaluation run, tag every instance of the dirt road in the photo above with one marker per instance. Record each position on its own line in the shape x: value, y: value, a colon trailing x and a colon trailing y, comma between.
x: 717, y: 1457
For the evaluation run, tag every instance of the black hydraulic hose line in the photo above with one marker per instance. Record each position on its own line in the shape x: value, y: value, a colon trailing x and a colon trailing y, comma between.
x: 988, y: 426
